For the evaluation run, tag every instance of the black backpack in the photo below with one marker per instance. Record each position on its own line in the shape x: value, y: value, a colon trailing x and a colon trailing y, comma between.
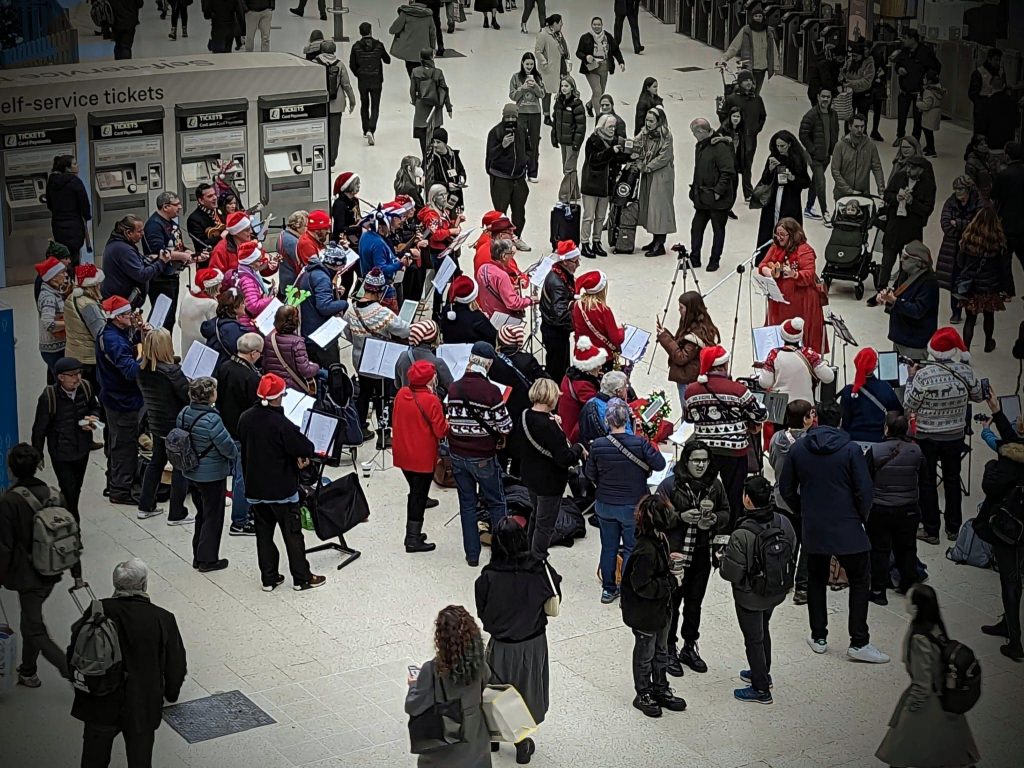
x: 961, y: 676
x: 1007, y: 521
x: 774, y: 567
x: 333, y: 80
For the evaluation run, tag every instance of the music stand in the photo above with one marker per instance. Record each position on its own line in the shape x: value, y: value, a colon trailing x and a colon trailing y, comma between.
x: 840, y: 333
x: 533, y: 327
x: 311, y: 501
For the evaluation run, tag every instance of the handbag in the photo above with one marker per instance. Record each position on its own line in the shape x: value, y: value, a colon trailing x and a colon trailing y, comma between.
x: 822, y: 289
x: 761, y: 195
x: 553, y: 605
x: 506, y: 714
x: 307, y: 386
x: 439, y: 727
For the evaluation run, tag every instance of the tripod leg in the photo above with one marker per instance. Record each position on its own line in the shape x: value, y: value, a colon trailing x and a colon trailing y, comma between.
x: 736, y: 317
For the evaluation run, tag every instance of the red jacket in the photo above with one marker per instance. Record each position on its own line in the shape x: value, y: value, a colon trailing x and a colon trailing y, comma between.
x: 603, y: 320
x: 439, y: 228
x: 416, y: 434
x: 224, y: 258
x: 307, y: 248
x: 575, y: 393
x: 483, y: 256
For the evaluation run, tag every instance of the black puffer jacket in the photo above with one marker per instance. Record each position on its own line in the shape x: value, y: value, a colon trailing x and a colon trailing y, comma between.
x: 984, y: 273
x: 954, y: 220
x: 65, y: 439
x: 647, y: 585
x: 165, y: 392
x: 570, y: 122
x: 813, y: 134
x: 898, y: 469
x: 556, y: 299
x: 67, y: 202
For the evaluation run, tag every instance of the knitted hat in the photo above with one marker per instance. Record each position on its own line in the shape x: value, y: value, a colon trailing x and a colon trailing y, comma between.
x: 66, y: 365
x: 919, y: 251
x: 207, y: 278
x: 57, y: 250
x: 567, y: 250
x: 375, y: 282
x: 50, y: 268
x: 440, y: 134
x: 509, y: 110
x: 711, y: 357
x: 745, y: 74
x: 424, y: 330
x: 501, y: 224
x: 116, y: 305
x: 865, y: 362
x: 510, y: 335
x: 345, y: 180
x: 420, y: 373
x: 238, y: 221
x: 483, y: 350
x: 947, y: 344
x: 271, y: 387
x: 318, y: 221
x: 591, y: 282
x: 792, y: 330
x: 587, y: 357
x: 250, y: 252
x: 87, y: 275
x: 490, y: 217
x: 464, y: 290
x: 334, y: 255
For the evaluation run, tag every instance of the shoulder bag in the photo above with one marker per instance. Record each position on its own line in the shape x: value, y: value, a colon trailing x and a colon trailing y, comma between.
x: 444, y: 474
x: 536, y: 446
x: 553, y: 605
x: 439, y: 727
x: 499, y: 439
x: 629, y: 454
x: 309, y: 387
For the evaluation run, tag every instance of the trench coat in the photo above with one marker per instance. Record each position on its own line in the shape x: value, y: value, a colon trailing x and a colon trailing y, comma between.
x: 657, y: 185
x: 475, y: 752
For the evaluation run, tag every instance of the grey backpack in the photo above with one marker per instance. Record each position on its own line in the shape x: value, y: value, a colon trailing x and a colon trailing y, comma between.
x: 95, y: 663
x: 969, y: 548
x: 56, y: 537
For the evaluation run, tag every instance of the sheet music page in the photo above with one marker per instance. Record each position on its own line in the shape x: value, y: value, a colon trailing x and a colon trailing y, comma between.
x: 295, y: 405
x: 200, y: 360
x: 540, y: 272
x: 888, y: 366
x: 635, y: 344
x: 766, y: 339
x: 161, y: 307
x: 657, y: 477
x: 392, y: 352
x: 768, y: 287
x: 408, y: 310
x: 265, y: 319
x: 445, y: 271
x: 328, y: 332
x: 373, y: 354
x: 320, y: 428
x: 683, y: 431
x: 456, y: 356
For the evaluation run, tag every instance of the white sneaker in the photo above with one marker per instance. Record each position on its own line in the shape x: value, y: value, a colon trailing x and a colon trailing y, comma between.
x: 818, y: 646
x: 521, y: 246
x: 369, y: 139
x: 868, y: 654
x: 144, y: 515
x: 184, y: 521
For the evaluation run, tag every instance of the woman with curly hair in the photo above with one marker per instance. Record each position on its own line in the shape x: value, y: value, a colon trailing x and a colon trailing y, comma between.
x: 457, y: 672
x: 791, y: 261
x: 986, y: 276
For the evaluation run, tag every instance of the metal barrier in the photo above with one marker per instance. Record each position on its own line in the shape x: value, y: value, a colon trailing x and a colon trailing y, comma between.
x: 45, y: 33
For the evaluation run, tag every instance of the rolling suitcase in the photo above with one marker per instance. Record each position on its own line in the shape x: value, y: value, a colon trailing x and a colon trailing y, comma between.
x: 565, y: 223
x: 622, y: 236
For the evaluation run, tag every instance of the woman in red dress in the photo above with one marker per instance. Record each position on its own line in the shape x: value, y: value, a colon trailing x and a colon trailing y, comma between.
x: 790, y: 260
x: 591, y: 315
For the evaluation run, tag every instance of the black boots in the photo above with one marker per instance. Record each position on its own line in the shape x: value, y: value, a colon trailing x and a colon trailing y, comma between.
x: 690, y: 656
x: 588, y: 252
x: 598, y: 249
x: 525, y: 750
x: 644, y: 701
x: 674, y: 668
x: 416, y: 540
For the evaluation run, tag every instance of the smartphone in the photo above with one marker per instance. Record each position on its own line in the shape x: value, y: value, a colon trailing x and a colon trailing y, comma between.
x: 986, y: 389
x: 414, y: 672
x: 628, y: 144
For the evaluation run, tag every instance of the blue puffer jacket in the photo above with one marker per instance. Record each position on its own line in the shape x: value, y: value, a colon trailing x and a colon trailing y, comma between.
x: 374, y: 251
x: 321, y: 303
x: 222, y: 329
x: 592, y: 424
x: 619, y: 481
x: 124, y: 269
x: 118, y: 370
x: 208, y: 432
x: 864, y: 420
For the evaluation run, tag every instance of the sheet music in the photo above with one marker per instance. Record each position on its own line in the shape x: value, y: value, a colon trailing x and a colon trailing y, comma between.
x: 158, y: 314
x: 265, y: 319
x: 684, y: 431
x: 295, y: 405
x: 408, y: 310
x: 456, y: 356
x: 351, y: 259
x: 540, y: 272
x: 888, y: 366
x: 657, y: 477
x: 328, y: 332
x: 499, y: 320
x: 445, y: 272
x: 635, y: 344
x: 320, y: 428
x: 767, y: 286
x: 766, y: 339
x: 379, y: 358
x: 458, y: 242
x: 200, y: 360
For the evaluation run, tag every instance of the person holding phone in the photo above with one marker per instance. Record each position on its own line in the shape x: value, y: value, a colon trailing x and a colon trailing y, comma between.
x: 526, y: 89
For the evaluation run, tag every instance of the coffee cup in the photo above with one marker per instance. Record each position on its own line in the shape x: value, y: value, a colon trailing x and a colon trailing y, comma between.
x: 675, y: 562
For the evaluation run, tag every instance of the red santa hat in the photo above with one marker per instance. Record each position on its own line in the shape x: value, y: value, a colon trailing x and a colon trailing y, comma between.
x: 86, y: 275
x: 318, y: 221
x: 792, y: 330
x: 271, y: 387
x: 864, y: 363
x: 711, y: 357
x: 567, y: 250
x: 345, y: 180
x: 400, y: 206
x: 116, y: 305
x: 591, y: 282
x: 587, y: 357
x: 947, y: 344
x: 238, y: 221
x: 50, y: 268
x: 464, y: 290
x: 250, y: 252
x: 510, y: 335
x: 208, y: 277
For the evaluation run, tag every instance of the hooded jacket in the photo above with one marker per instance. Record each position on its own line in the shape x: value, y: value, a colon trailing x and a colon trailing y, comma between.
x: 345, y: 94
x: 414, y: 31
x: 510, y: 598
x: 507, y: 162
x: 322, y: 303
x: 685, y: 492
x: 366, y: 60
x: 741, y: 552
x: 751, y: 106
x: 714, y: 174
x: 826, y: 481
x: 1002, y: 475
x: 647, y: 585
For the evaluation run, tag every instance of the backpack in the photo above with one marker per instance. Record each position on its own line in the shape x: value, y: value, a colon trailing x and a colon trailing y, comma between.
x: 101, y: 12
x: 774, y: 567
x: 337, y: 398
x: 428, y: 91
x: 333, y: 80
x: 970, y: 548
x: 181, y: 453
x: 51, y: 396
x: 56, y: 536
x: 95, y: 663
x: 1007, y: 521
x: 961, y: 676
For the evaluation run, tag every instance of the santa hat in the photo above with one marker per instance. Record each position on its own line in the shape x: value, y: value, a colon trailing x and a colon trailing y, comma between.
x: 947, y: 344
x: 400, y: 206
x: 116, y: 305
x: 208, y: 277
x: 424, y: 330
x: 792, y: 330
x: 344, y: 181
x: 50, y: 268
x: 87, y: 275
x: 420, y: 373
x: 238, y: 221
x: 319, y: 221
x: 591, y: 282
x: 250, y: 252
x: 271, y: 387
x: 587, y: 357
x: 490, y: 217
x: 510, y: 335
x: 567, y: 251
x: 711, y: 357
x: 464, y: 290
x: 864, y: 362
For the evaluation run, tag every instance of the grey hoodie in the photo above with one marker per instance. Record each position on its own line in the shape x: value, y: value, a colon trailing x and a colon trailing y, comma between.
x: 345, y: 93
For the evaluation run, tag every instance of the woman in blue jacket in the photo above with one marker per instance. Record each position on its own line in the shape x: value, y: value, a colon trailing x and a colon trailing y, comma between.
x: 323, y: 302
x: 207, y: 483
x: 867, y: 400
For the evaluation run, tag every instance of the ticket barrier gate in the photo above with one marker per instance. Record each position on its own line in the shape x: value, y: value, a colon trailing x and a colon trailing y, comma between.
x: 211, y: 136
x: 792, y: 42
x: 702, y: 21
x: 684, y: 22
x: 721, y: 34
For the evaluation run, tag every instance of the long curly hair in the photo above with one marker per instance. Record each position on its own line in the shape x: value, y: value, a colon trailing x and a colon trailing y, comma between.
x: 797, y: 237
x: 984, y: 236
x: 460, y: 650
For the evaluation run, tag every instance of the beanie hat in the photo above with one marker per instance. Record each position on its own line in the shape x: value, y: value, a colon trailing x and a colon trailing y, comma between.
x: 482, y: 349
x: 50, y: 268
x: 567, y: 250
x: 334, y: 255
x: 711, y: 357
x: 745, y: 74
x: 511, y: 335
x: 792, y: 330
x: 66, y: 365
x: 271, y: 387
x: 464, y: 290
x: 375, y: 282
x: 116, y: 305
x: 420, y: 373
x: 509, y: 110
x: 57, y: 250
x: 440, y: 134
x: 345, y: 180
x: 919, y: 251
x: 426, y: 53
x: 87, y: 275
x: 250, y: 252
x: 490, y: 217
x: 501, y: 224
x: 208, y: 277
x: 947, y: 344
x: 424, y: 330
x: 591, y: 282
x: 318, y: 221
x: 587, y: 357
x: 237, y: 222
x: 865, y: 362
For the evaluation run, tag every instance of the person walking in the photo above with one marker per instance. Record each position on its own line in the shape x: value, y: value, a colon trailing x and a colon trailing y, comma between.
x: 124, y: 16
x: 414, y: 32
x: 490, y: 9
x: 568, y: 131
x: 696, y: 330
x: 553, y: 62
x: 366, y: 62
x: 429, y: 94
x: 755, y: 46
x: 855, y: 161
x: 339, y: 93
x: 929, y: 104
x: 556, y: 298
x: 921, y: 731
x: 751, y: 106
x: 712, y: 192
x: 957, y: 212
x: 300, y: 9
x: 598, y: 53
x: 179, y: 11
x: 985, y: 281
x: 819, y: 134
x: 258, y: 14
x: 226, y: 18
x: 68, y: 203
x: 507, y: 163
x: 628, y: 10
x: 656, y: 163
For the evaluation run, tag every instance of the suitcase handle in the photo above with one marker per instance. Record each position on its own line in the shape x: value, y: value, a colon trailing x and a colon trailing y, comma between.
x: 78, y: 602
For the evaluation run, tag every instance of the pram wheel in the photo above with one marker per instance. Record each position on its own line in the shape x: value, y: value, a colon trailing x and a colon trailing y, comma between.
x: 858, y: 291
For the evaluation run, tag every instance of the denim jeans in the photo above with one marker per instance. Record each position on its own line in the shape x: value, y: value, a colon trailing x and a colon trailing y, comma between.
x: 616, y: 524
x: 239, y: 504
x: 650, y: 660
x: 470, y: 475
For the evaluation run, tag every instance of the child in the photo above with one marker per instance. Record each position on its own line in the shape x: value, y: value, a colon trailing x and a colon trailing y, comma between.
x: 929, y: 103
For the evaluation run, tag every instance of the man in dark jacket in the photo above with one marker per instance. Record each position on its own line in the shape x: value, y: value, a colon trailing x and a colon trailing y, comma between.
x: 16, y: 570
x: 826, y: 482
x: 366, y: 62
x: 909, y: 200
x: 1008, y: 196
x: 712, y: 192
x: 751, y: 106
x: 508, y: 150
x: 912, y: 60
x: 556, y: 299
x: 443, y: 166
x: 125, y: 270
x: 125, y: 19
x: 317, y: 277
x: 225, y: 20
x: 162, y: 233
x: 237, y: 381
x: 273, y: 452
x: 202, y: 219
x: 154, y: 667
x: 819, y: 132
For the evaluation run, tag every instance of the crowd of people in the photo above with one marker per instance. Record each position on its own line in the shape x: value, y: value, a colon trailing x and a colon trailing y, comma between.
x: 531, y: 442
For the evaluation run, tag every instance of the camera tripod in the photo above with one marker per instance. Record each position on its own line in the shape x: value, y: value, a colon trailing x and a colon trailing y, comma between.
x: 682, y: 265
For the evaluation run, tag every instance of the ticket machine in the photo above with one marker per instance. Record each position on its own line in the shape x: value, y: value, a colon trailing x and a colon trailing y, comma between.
x: 26, y: 157
x: 720, y: 17
x: 212, y: 135
x: 792, y: 42
x: 127, y: 151
x: 294, y: 167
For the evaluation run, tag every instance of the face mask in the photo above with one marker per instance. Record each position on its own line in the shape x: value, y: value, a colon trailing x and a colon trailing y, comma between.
x: 698, y: 463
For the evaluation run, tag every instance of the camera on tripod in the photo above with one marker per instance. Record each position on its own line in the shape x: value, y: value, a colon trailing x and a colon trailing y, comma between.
x: 682, y: 255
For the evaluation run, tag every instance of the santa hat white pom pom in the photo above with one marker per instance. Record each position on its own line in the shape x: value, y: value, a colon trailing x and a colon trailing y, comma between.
x: 702, y: 379
x: 451, y: 315
x: 584, y: 343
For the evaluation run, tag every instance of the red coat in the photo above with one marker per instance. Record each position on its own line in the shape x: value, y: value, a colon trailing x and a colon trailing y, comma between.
x: 224, y: 258
x: 306, y: 248
x: 439, y: 228
x: 575, y: 394
x: 801, y: 292
x: 415, y: 438
x: 603, y: 320
x: 483, y: 256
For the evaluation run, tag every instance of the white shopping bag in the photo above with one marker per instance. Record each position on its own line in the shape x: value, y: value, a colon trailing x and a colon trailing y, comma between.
x: 508, y: 718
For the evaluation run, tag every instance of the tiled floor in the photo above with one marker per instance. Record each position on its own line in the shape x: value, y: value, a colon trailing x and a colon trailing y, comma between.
x: 330, y: 665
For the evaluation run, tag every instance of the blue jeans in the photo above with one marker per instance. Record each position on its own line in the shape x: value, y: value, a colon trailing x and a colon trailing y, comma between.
x: 239, y: 504
x: 471, y: 474
x: 617, y: 525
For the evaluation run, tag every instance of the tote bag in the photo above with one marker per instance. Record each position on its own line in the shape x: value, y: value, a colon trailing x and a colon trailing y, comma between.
x: 506, y: 714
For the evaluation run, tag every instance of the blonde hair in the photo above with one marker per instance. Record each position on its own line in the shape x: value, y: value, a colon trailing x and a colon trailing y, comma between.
x: 544, y: 392
x: 594, y: 300
x: 157, y: 347
x: 298, y: 220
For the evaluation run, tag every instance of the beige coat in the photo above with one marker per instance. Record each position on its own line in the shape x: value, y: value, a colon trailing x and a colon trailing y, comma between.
x: 549, y: 60
x: 657, y: 184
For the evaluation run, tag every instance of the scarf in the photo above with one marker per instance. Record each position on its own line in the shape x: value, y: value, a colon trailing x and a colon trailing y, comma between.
x: 131, y: 593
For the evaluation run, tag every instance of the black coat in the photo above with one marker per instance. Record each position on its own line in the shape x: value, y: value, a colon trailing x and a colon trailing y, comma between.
x: 752, y: 108
x: 900, y: 230
x: 510, y: 598
x: 914, y: 317
x: 527, y: 370
x: 570, y: 122
x: 65, y: 439
x: 543, y: 475
x: 812, y: 134
x: 468, y: 326
x: 1008, y: 195
x: 898, y: 472
x: 270, y: 446
x: 69, y: 208
x: 917, y: 62
x: 792, y: 202
x: 366, y: 61
x: 197, y: 223
x: 644, y: 104
x: 556, y: 299
x: 1001, y: 475
x: 165, y: 392
x: 507, y: 162
x: 154, y: 665
x: 237, y: 382
x: 714, y: 173
x: 16, y: 522
x: 647, y: 585
x: 599, y: 161
x: 125, y: 13
x: 585, y: 48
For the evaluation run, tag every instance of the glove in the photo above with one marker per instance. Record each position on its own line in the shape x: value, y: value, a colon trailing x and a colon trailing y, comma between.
x: 707, y: 522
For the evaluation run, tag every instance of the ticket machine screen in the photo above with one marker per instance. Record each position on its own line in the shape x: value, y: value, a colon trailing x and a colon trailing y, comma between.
x: 106, y: 180
x: 278, y: 162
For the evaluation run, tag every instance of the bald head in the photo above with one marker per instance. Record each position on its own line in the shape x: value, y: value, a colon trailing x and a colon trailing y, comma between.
x: 700, y: 128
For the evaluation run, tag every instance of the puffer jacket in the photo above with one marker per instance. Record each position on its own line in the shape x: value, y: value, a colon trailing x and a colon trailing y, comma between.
x: 254, y: 288
x: 222, y: 334
x: 165, y: 392
x: 898, y: 468
x: 570, y: 122
x: 322, y: 303
x: 366, y: 61
x: 683, y: 355
x: 985, y: 273
x: 813, y: 133
x: 209, y: 434
x: 294, y: 357
x: 83, y: 322
x: 954, y: 220
x: 619, y: 481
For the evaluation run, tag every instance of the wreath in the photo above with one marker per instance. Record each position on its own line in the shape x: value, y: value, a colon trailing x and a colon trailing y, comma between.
x: 660, y: 425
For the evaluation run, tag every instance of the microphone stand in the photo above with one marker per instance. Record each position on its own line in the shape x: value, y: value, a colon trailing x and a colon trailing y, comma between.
x: 683, y: 265
x: 748, y: 260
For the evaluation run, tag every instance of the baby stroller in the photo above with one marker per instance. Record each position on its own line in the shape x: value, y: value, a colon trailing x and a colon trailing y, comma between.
x: 728, y: 85
x: 848, y: 253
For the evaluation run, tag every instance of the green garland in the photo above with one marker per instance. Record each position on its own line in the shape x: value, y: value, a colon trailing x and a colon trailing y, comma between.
x: 650, y: 428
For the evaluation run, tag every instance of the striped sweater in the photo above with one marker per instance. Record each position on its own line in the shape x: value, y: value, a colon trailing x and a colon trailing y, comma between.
x: 720, y: 411
x: 371, y: 320
x: 474, y: 395
x: 938, y: 394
